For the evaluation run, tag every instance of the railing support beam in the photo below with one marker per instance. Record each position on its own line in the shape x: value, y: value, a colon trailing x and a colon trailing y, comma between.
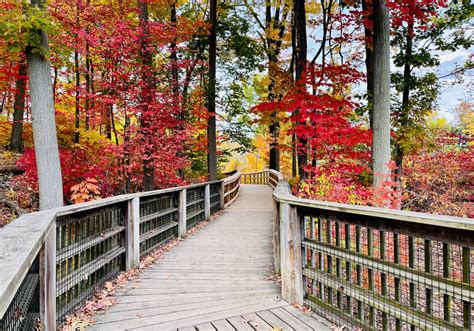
x: 290, y: 253
x: 132, y: 255
x: 207, y: 201
x: 47, y: 274
x: 182, y: 224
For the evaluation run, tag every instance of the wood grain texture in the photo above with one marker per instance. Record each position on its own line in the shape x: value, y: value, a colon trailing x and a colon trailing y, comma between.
x: 213, y: 280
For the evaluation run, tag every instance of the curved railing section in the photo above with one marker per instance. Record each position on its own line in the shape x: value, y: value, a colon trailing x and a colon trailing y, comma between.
x: 371, y: 268
x: 231, y: 186
x: 53, y: 261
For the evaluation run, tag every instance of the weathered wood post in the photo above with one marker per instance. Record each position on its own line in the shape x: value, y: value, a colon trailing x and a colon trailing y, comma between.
x: 290, y: 254
x: 47, y: 275
x: 207, y: 201
x: 132, y: 231
x: 276, y: 236
x: 182, y: 214
x: 222, y: 195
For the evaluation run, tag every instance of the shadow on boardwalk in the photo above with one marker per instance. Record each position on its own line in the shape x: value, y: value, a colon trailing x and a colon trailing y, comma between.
x: 217, y: 279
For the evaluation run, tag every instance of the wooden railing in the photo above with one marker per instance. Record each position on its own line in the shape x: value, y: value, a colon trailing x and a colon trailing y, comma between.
x: 265, y: 177
x: 372, y: 268
x: 53, y: 261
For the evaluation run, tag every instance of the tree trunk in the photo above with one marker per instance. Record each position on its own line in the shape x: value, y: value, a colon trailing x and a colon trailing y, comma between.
x: 302, y: 46
x: 44, y: 124
x: 16, y: 139
x: 211, y: 107
x: 404, y: 116
x: 78, y: 84
x: 369, y: 63
x: 77, y: 121
x: 146, y: 97
x: 381, y: 113
x: 274, y: 153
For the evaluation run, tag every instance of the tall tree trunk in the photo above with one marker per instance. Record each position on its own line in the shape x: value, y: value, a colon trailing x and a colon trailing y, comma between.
x: 294, y: 140
x: 78, y: 84
x: 44, y: 123
x: 88, y: 89
x: 381, y: 113
x: 211, y: 107
x: 274, y: 127
x: 404, y: 116
x: 77, y: 95
x: 146, y: 97
x: 369, y: 62
x: 16, y: 139
x: 302, y: 46
x: 175, y: 75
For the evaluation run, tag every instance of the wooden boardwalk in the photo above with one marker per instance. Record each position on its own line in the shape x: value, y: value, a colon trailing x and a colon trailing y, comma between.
x: 217, y: 279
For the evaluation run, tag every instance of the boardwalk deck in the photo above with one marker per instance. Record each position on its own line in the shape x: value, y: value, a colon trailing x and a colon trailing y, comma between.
x: 218, y: 279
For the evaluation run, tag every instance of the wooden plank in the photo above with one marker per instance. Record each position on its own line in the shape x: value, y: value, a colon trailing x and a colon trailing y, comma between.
x: 132, y: 233
x: 274, y: 321
x: 239, y: 323
x: 309, y: 319
x: 47, y: 275
x: 205, y: 327
x: 291, y: 320
x: 256, y: 322
x: 223, y: 325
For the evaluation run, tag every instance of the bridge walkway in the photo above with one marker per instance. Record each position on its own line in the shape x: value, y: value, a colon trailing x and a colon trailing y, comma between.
x: 220, y: 278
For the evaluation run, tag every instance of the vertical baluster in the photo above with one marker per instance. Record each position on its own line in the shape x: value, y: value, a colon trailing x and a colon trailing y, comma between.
x: 446, y: 271
x: 396, y: 260
x: 411, y: 264
x: 428, y: 269
x: 383, y: 276
x: 466, y: 278
x: 348, y: 265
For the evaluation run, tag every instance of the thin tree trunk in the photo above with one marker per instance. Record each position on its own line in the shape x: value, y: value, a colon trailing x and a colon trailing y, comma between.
x: 146, y: 98
x: 88, y: 81
x: 274, y: 153
x: 78, y: 84
x: 369, y: 63
x: 77, y: 96
x: 44, y: 123
x: 16, y: 139
x: 88, y: 89
x: 381, y: 113
x: 302, y: 45
x: 211, y: 107
x: 405, y: 95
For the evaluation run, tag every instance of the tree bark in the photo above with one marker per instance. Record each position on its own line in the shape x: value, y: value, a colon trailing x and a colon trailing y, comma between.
x: 211, y: 107
x: 16, y: 139
x: 77, y: 120
x: 44, y: 124
x: 381, y: 112
x: 302, y: 47
x: 369, y: 62
x: 404, y: 116
x: 146, y: 98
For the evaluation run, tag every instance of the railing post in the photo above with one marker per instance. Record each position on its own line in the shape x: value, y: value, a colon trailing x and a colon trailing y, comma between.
x: 290, y: 252
x: 47, y: 275
x: 132, y: 225
x: 207, y: 201
x: 182, y: 214
x: 276, y: 237
x: 222, y: 195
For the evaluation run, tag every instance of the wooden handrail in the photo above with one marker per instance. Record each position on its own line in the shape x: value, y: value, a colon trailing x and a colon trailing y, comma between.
x: 29, y: 244
x: 411, y: 269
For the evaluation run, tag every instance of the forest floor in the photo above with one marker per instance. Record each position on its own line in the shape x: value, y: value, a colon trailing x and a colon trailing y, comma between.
x: 10, y: 208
